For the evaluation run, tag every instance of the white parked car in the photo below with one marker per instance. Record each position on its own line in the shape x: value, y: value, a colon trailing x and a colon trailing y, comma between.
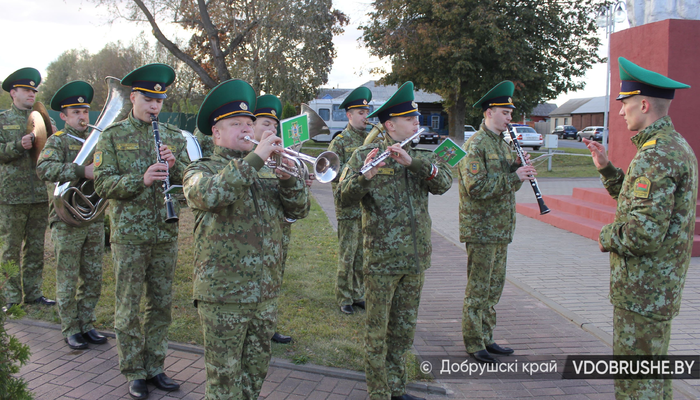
x: 528, y: 136
x: 468, y: 132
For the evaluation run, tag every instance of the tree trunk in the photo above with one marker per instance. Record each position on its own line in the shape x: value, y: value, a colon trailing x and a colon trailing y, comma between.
x: 456, y: 114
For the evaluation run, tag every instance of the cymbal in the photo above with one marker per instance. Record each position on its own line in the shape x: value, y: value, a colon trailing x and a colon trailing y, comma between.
x: 38, y: 122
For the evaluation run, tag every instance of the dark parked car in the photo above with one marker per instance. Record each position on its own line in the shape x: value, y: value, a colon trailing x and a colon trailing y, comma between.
x: 565, y: 131
x: 429, y: 136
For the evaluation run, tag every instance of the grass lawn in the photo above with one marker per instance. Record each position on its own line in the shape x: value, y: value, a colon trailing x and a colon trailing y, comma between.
x: 573, y: 163
x: 307, y: 305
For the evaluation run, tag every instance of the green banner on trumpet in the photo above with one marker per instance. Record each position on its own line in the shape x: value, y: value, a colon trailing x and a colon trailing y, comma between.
x: 294, y: 130
x: 449, y: 152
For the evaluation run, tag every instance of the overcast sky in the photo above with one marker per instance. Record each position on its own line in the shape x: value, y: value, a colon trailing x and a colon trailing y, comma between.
x: 36, y: 32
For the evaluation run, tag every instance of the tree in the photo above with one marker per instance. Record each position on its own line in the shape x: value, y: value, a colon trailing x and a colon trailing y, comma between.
x: 462, y: 48
x: 117, y: 60
x: 14, y: 353
x: 280, y: 46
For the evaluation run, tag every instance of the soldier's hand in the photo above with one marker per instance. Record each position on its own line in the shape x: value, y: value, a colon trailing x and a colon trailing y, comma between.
x: 526, y: 173
x: 156, y: 172
x: 372, y: 172
x: 90, y: 171
x: 269, y: 143
x: 281, y: 174
x: 600, y: 246
x: 526, y: 156
x: 167, y: 155
x: 27, y: 141
x: 310, y: 181
x: 600, y: 159
x: 399, y: 154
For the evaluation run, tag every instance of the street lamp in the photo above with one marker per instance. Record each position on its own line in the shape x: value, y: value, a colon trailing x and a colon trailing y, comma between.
x: 608, y: 16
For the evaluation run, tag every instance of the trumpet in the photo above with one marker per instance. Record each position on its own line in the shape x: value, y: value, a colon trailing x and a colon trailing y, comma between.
x: 326, y: 165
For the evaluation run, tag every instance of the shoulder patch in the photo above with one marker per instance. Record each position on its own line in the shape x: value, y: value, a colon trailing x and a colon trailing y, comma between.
x: 345, y: 172
x: 642, y: 187
x: 47, y: 153
x: 98, y: 158
x: 10, y: 127
x: 650, y: 143
x: 59, y: 133
x: 340, y: 136
x: 474, y: 167
x: 493, y: 156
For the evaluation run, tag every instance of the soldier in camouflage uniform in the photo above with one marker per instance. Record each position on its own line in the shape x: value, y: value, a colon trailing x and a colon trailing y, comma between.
x: 349, y: 289
x: 396, y: 227
x: 144, y: 246
x: 239, y: 206
x: 205, y: 143
x: 489, y: 176
x: 651, y: 239
x: 23, y: 197
x: 78, y: 249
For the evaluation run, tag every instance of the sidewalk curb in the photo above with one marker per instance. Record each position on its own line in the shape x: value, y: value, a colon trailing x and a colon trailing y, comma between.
x: 274, y: 362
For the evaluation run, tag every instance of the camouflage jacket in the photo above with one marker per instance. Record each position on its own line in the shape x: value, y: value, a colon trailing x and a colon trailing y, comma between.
x: 123, y: 154
x: 56, y: 161
x: 239, y: 207
x: 205, y: 143
x: 344, y: 145
x: 396, y: 223
x: 18, y: 181
x: 487, y: 186
x: 651, y: 240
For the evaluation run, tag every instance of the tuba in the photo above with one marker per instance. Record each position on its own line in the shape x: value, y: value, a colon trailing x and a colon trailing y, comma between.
x: 77, y: 202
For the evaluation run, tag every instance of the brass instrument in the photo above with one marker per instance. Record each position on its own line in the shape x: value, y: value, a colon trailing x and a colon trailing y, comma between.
x: 76, y: 202
x: 38, y: 123
x: 377, y: 129
x: 326, y: 165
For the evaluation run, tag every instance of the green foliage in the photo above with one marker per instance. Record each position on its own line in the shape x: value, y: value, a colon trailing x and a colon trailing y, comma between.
x: 5, y: 100
x: 14, y: 354
x: 288, y: 111
x: 461, y: 49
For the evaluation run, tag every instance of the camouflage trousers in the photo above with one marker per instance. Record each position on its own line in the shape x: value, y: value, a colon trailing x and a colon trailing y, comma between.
x: 392, y: 311
x: 22, y: 230
x: 635, y: 334
x: 78, y: 274
x: 237, y: 347
x: 486, y: 274
x: 349, y: 287
x: 142, y: 349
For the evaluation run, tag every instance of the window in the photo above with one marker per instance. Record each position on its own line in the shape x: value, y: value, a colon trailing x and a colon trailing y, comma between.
x: 324, y: 113
x: 435, y: 122
x: 566, y: 121
x: 339, y: 113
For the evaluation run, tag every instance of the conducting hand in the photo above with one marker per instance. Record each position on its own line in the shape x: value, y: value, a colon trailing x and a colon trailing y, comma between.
x: 269, y: 143
x: 28, y: 140
x: 526, y: 173
x: 89, y: 171
x: 167, y: 155
x: 597, y: 152
x: 156, y: 172
x: 399, y: 154
x: 372, y: 172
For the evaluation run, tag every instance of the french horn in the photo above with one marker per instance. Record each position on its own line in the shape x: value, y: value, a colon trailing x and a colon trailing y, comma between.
x: 76, y: 202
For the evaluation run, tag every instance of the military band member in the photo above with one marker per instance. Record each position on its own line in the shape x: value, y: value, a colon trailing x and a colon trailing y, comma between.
x: 489, y: 176
x: 23, y: 197
x: 78, y: 249
x: 239, y: 206
x: 268, y: 108
x: 396, y: 229
x: 144, y: 246
x: 651, y: 239
x: 349, y: 288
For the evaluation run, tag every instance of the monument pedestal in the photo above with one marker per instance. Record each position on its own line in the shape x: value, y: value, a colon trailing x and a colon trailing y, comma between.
x: 669, y: 47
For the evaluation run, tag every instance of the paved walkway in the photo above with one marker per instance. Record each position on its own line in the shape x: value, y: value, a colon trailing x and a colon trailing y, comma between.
x: 557, y: 283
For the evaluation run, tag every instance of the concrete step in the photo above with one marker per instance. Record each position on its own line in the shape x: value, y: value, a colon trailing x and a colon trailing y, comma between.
x: 597, y: 196
x: 582, y: 208
x: 580, y: 225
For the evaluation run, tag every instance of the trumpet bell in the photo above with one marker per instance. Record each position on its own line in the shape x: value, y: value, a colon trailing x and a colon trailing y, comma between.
x: 326, y: 167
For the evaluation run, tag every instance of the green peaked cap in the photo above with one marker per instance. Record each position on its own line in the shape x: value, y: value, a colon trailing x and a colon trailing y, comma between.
x: 500, y: 95
x: 24, y: 77
x: 358, y: 98
x: 233, y: 98
x: 400, y: 104
x: 76, y: 94
x: 640, y: 81
x: 268, y: 105
x: 152, y: 79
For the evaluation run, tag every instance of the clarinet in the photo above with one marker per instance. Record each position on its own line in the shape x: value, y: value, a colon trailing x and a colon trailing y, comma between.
x: 169, y: 206
x: 533, y: 182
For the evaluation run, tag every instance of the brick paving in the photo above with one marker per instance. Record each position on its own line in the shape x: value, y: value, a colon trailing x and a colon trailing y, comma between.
x: 557, y: 283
